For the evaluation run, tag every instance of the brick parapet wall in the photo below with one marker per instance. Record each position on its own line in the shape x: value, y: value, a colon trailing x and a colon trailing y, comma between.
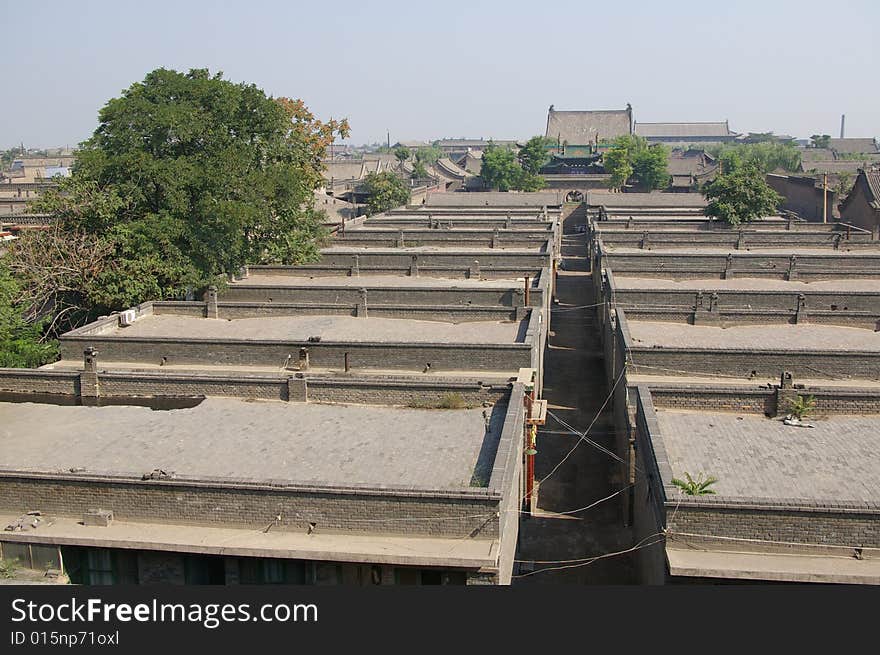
x: 488, y: 271
x: 255, y: 504
x: 755, y: 362
x: 330, y: 389
x: 753, y: 299
x: 251, y: 290
x: 762, y: 400
x: 441, y: 313
x: 797, y: 523
x: 732, y: 317
x: 325, y: 354
x: 741, y: 240
x: 637, y: 224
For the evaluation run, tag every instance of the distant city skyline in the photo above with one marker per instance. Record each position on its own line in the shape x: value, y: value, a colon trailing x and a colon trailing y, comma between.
x: 475, y: 69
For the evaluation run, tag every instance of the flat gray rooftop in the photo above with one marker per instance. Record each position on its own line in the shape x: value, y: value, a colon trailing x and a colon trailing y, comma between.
x: 535, y: 199
x: 747, y: 284
x: 330, y: 328
x: 695, y: 249
x: 225, y: 438
x: 389, y: 281
x: 769, y: 337
x: 596, y: 197
x: 753, y: 456
x: 430, y: 249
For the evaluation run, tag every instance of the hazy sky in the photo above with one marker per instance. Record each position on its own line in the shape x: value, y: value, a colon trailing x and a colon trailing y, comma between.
x: 453, y: 69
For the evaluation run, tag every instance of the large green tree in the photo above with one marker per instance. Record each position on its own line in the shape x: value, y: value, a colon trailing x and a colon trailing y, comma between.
x: 187, y: 178
x: 740, y: 196
x: 385, y: 191
x: 632, y: 156
x: 501, y: 170
x: 534, y: 154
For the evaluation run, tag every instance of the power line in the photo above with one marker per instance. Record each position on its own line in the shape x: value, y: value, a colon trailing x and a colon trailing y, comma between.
x: 572, y: 564
x: 584, y: 434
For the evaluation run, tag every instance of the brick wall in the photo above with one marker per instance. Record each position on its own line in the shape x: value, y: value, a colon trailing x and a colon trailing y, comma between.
x: 363, y: 390
x: 755, y: 362
x: 488, y: 270
x: 325, y: 354
x: 507, y: 477
x: 761, y: 400
x: 255, y: 504
x: 837, y: 526
x: 694, y: 265
x: 739, y: 240
x: 648, y: 513
x: 408, y: 296
x: 818, y: 301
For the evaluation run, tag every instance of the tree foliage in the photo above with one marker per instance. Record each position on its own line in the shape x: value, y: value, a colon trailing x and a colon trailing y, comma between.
x: 385, y: 191
x: 21, y: 341
x: 820, y: 140
x: 402, y: 153
x: 188, y: 177
x: 428, y: 154
x: 632, y: 156
x: 419, y: 171
x: 766, y: 156
x: 617, y: 163
x: 740, y: 196
x: 533, y: 155
x: 500, y: 169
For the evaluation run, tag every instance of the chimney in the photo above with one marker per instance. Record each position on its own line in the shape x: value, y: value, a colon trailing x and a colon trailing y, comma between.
x: 842, y: 124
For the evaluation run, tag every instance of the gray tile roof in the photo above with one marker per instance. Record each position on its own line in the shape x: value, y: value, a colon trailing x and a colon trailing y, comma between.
x: 597, y: 197
x: 344, y: 170
x: 836, y: 166
x: 683, y: 130
x: 689, y: 163
x: 816, y: 154
x: 582, y: 127
x: 873, y: 180
x: 854, y: 145
x: 449, y: 169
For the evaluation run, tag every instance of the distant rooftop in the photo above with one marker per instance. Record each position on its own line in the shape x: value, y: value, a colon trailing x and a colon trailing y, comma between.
x: 495, y: 199
x: 683, y: 130
x: 854, y: 145
x: 268, y: 440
